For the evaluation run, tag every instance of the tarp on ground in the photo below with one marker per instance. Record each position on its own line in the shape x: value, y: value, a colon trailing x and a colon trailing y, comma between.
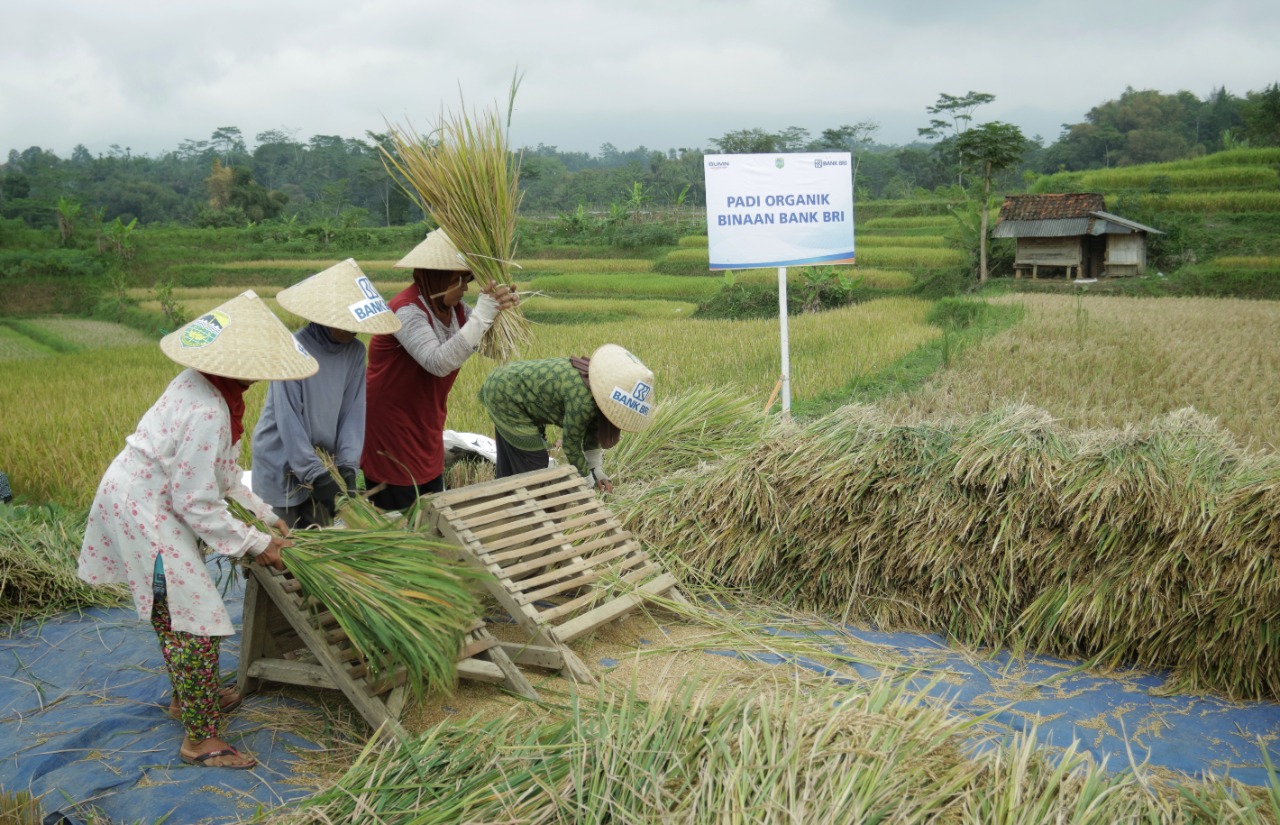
x: 83, y: 719
x: 84, y: 724
x: 1122, y: 717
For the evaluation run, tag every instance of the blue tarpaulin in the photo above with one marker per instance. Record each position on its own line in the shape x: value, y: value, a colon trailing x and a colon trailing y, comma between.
x: 84, y: 724
x: 1122, y: 718
x: 83, y: 719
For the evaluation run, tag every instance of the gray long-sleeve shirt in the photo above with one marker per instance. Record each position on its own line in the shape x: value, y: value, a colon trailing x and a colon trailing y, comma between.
x: 326, y: 410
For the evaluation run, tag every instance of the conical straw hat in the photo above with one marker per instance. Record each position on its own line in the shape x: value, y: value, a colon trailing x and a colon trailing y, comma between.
x: 240, y: 339
x: 343, y: 297
x: 436, y: 252
x: 622, y: 388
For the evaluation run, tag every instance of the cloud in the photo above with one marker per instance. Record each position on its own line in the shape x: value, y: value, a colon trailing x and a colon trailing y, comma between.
x: 662, y: 73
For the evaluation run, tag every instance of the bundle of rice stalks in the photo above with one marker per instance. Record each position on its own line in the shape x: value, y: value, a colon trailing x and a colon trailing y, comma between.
x: 715, y: 752
x: 464, y: 175
x: 706, y: 424
x: 1150, y: 547
x: 705, y: 753
x: 39, y: 554
x: 400, y: 598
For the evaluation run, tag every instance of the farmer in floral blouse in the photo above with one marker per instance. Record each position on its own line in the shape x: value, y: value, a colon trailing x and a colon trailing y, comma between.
x: 163, y: 501
x: 591, y: 399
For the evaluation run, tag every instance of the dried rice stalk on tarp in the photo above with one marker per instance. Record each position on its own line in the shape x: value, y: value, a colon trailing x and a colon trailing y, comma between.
x: 1152, y: 546
x: 464, y: 175
x: 39, y: 555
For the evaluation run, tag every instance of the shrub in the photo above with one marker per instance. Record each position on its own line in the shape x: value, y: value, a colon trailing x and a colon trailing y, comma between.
x: 640, y: 236
x: 50, y: 264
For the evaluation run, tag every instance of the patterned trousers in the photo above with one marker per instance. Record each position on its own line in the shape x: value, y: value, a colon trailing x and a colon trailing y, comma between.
x: 193, y: 671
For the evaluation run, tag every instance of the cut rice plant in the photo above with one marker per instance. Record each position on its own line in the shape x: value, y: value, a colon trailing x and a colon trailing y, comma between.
x: 707, y: 424
x: 465, y: 176
x: 39, y: 555
x: 1146, y: 547
x: 723, y: 751
x: 401, y: 599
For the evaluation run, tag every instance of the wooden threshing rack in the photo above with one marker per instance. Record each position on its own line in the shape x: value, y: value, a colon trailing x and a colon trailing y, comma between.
x: 286, y: 639
x: 562, y: 565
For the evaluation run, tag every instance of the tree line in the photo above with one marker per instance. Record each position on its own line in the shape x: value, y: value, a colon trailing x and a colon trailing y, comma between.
x: 339, y: 181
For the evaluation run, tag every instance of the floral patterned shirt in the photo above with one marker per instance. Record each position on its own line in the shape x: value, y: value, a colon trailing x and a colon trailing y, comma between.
x: 163, y: 494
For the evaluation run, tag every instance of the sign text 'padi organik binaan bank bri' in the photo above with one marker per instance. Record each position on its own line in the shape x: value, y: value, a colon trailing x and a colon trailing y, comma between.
x: 780, y: 210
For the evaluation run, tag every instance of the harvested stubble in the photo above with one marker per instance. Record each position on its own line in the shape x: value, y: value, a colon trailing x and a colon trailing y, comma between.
x: 1151, y: 547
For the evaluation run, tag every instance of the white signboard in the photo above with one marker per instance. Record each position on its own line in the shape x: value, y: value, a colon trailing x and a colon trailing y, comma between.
x: 766, y: 211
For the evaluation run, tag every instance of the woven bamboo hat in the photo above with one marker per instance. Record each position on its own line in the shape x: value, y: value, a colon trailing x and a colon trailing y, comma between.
x: 240, y: 339
x: 343, y: 297
x: 436, y: 252
x: 622, y: 388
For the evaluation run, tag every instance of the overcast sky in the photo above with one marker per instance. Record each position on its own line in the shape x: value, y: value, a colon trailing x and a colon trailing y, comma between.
x: 148, y: 74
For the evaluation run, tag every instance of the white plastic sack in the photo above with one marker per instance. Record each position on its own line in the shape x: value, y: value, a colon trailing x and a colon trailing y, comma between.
x: 458, y: 445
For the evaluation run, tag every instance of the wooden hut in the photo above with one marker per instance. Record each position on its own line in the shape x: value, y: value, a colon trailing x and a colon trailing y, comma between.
x: 1073, y: 235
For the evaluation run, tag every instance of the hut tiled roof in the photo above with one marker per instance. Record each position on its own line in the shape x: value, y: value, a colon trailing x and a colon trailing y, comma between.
x: 1051, y: 207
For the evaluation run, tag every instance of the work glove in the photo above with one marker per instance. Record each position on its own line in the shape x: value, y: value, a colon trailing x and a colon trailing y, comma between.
x: 595, y: 465
x: 324, y: 490
x: 348, y: 480
x: 480, y: 320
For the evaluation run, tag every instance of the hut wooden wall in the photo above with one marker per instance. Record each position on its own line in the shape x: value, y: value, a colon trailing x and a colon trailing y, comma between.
x: 1049, y: 252
x: 1126, y: 254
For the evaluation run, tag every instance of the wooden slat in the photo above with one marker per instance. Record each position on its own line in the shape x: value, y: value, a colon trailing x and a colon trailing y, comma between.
x: 587, y: 555
x: 514, y: 506
x: 570, y: 569
x: 605, y: 613
x: 551, y: 614
x: 475, y: 647
x: 557, y: 540
x: 497, y: 486
x: 583, y: 578
x: 531, y: 517
x: 549, y: 527
x: 547, y: 535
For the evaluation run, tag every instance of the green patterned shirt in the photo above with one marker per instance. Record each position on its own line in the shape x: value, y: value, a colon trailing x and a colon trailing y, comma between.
x: 524, y: 397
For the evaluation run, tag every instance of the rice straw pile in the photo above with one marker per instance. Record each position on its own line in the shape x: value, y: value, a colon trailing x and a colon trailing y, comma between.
x: 401, y: 599
x: 705, y: 424
x: 811, y: 752
x: 464, y: 175
x: 1153, y: 547
x: 39, y: 555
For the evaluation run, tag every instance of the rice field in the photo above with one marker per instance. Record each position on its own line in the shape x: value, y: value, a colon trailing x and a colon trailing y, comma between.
x: 67, y: 417
x: 1216, y: 201
x: 15, y: 346
x: 642, y: 285
x: 1099, y: 361
x: 899, y: 257
x: 867, y: 276
x: 911, y: 222
x: 589, y: 266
